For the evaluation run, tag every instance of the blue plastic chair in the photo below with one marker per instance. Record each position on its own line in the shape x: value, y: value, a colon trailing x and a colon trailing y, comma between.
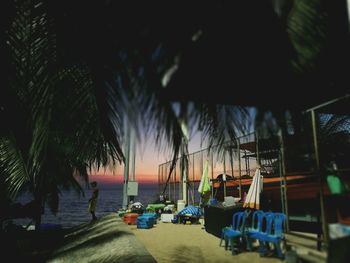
x: 255, y: 228
x: 266, y: 228
x: 275, y: 236
x: 235, y: 232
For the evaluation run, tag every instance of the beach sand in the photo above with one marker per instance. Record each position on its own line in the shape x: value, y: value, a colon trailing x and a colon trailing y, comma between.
x: 169, y: 242
x: 109, y: 239
x: 106, y: 240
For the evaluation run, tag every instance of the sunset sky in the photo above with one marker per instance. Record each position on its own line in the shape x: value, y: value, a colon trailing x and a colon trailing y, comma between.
x: 148, y: 158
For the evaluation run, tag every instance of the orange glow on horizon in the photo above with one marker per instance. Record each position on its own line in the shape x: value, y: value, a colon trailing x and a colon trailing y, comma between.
x: 117, y: 178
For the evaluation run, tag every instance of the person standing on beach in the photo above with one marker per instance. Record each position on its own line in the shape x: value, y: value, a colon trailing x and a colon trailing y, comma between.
x: 93, y: 200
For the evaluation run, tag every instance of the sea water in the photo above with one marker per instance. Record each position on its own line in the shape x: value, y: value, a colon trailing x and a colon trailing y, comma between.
x: 73, y: 208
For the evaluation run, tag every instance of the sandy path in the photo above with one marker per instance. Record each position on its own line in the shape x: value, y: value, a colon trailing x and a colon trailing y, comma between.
x: 107, y: 240
x: 169, y: 242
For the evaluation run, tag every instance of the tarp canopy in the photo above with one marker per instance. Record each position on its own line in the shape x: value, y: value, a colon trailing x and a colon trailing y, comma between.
x: 191, y: 210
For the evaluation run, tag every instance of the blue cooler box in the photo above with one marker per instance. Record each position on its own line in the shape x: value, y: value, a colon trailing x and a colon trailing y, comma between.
x: 153, y: 216
x: 145, y: 222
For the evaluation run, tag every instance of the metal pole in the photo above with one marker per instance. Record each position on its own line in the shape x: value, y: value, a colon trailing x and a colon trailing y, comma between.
x: 183, y: 175
x: 320, y: 180
x: 257, y: 148
x: 281, y: 180
x: 159, y: 174
x: 193, y: 164
x: 174, y: 184
x: 126, y: 165
x: 180, y: 180
x: 212, y: 164
x: 169, y: 185
x: 184, y: 151
x: 231, y: 161
x: 348, y: 7
x: 224, y: 175
x: 239, y: 169
x: 345, y: 97
x: 133, y: 149
x: 246, y: 162
x: 284, y: 181
x: 169, y: 188
x: 212, y: 174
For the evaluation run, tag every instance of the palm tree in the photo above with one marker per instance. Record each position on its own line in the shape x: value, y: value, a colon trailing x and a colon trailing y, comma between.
x: 60, y: 133
x: 74, y: 76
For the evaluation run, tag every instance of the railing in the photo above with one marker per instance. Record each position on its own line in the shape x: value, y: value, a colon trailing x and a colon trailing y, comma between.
x: 238, y: 159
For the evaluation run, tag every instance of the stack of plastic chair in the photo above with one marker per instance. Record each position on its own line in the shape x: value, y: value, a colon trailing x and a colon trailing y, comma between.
x: 275, y: 235
x: 266, y: 228
x: 255, y: 228
x: 233, y: 235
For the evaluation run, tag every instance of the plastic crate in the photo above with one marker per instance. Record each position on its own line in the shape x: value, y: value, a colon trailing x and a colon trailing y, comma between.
x: 130, y: 218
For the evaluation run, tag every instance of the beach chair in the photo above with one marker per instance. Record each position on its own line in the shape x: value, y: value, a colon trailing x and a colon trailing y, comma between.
x: 274, y: 236
x: 233, y: 235
x: 255, y: 228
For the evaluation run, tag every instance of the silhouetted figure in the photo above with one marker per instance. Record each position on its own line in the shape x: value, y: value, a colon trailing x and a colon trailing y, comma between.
x: 93, y: 200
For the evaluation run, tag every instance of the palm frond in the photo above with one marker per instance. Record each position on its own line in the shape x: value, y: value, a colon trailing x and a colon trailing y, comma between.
x: 221, y: 123
x: 13, y: 165
x: 307, y: 26
x: 33, y: 53
x: 83, y: 113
